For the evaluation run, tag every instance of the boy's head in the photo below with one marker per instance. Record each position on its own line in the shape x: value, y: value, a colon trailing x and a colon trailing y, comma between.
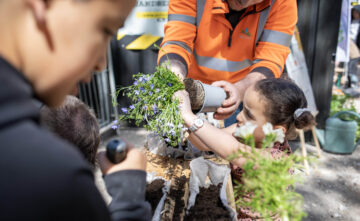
x: 275, y: 101
x: 75, y: 122
x: 58, y: 43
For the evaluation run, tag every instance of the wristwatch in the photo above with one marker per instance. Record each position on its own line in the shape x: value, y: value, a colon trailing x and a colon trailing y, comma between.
x: 198, y: 123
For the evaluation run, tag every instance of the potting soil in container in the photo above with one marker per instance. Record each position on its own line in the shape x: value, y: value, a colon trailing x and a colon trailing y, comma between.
x: 154, y: 193
x: 208, y: 206
x: 178, y: 195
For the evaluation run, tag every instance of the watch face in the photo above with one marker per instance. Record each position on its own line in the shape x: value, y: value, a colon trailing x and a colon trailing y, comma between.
x: 199, y: 122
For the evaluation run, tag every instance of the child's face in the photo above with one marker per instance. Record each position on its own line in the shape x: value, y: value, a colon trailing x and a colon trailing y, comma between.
x: 253, y: 112
x: 78, y: 35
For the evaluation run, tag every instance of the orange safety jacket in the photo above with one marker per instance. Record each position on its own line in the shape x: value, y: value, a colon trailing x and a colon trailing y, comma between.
x: 200, y: 36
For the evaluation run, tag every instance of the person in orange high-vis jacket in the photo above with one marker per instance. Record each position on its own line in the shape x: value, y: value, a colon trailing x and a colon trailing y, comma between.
x: 228, y: 43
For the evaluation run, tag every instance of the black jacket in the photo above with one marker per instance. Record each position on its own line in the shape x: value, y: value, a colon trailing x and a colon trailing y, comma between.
x: 44, y: 177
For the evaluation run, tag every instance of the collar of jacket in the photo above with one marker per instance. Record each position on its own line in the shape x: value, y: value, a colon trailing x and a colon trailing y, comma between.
x: 17, y: 101
x: 222, y: 7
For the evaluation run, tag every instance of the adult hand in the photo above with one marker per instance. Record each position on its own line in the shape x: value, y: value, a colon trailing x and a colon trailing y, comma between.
x: 177, y: 67
x: 135, y: 160
x: 229, y: 105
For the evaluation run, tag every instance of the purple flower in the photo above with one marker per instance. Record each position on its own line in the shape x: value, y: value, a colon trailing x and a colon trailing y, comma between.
x: 124, y: 110
x: 150, y: 93
x: 169, y: 84
x: 157, y: 90
x: 115, y: 122
x: 172, y: 133
x: 136, y: 92
x: 114, y: 127
x: 158, y: 98
x: 155, y: 108
x: 132, y: 107
x: 152, y: 86
x: 142, y: 89
x: 167, y: 140
x: 136, y: 83
x: 145, y: 107
x: 141, y: 79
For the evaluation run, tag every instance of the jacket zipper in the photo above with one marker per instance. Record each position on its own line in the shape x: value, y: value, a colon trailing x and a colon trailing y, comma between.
x: 230, y: 38
x: 231, y: 31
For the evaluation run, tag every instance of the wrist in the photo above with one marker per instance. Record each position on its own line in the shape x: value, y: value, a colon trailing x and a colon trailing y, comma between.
x: 189, y: 119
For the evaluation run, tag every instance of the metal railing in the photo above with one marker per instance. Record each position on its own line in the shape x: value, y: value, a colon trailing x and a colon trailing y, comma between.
x: 99, y: 92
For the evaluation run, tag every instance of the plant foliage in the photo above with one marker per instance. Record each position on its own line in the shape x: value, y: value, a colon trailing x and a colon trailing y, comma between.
x: 153, y: 105
x: 270, y: 185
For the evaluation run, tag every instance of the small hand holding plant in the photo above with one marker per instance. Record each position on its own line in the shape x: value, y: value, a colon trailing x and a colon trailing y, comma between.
x: 270, y: 185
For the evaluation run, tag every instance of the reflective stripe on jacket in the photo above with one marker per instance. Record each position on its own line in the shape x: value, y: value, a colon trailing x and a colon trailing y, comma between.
x: 198, y: 31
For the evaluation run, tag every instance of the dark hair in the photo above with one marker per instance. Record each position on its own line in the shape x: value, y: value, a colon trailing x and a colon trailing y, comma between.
x: 283, y: 98
x: 75, y: 122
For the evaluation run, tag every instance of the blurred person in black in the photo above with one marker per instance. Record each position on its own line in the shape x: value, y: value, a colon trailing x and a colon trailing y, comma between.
x: 47, y: 47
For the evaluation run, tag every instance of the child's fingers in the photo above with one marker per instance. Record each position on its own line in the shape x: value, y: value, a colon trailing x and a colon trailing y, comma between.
x: 103, y: 161
x: 182, y: 94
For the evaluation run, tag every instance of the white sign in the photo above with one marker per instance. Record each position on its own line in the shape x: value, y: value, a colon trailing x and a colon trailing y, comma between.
x: 298, y: 72
x: 147, y: 17
x: 343, y: 46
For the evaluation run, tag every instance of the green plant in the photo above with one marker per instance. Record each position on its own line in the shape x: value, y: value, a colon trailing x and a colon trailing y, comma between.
x: 338, y: 104
x: 267, y: 181
x: 153, y: 104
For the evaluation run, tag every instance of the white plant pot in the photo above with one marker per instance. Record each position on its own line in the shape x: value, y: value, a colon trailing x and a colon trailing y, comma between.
x: 214, y: 96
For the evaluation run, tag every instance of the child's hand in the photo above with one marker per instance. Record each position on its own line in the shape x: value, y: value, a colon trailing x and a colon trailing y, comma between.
x: 185, y: 105
x: 135, y: 160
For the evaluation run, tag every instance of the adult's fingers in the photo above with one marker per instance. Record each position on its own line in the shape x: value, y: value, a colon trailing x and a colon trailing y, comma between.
x: 220, y: 83
x: 221, y: 116
x: 231, y: 91
x: 223, y: 113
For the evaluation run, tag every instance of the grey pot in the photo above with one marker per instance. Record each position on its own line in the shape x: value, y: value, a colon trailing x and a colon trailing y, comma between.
x: 214, y: 96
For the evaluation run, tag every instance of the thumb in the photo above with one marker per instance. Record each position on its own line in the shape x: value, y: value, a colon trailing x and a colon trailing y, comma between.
x: 219, y: 83
x: 104, y: 162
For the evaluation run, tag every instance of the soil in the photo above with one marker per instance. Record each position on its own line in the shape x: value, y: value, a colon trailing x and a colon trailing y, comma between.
x: 154, y: 193
x: 196, y: 93
x: 208, y: 206
x: 177, y: 195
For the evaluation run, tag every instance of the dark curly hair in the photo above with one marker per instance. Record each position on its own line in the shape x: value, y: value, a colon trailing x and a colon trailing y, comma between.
x: 283, y: 97
x: 75, y: 122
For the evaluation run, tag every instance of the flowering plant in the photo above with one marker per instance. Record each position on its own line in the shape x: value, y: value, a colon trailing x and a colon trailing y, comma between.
x: 153, y: 104
x: 270, y: 184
